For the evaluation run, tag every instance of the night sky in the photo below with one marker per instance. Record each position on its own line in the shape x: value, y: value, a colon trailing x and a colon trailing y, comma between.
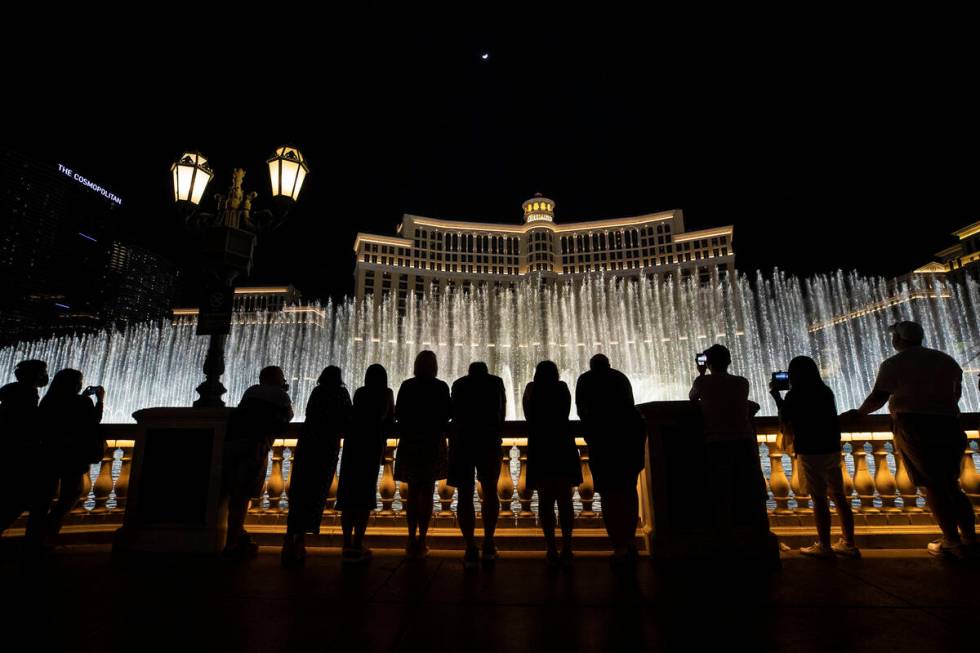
x: 829, y: 142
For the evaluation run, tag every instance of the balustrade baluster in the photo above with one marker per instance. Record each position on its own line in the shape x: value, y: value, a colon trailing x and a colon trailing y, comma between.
x: 524, y: 494
x: 387, y: 486
x: 969, y: 480
x: 103, y: 483
x: 778, y: 483
x: 125, y: 467
x: 403, y: 494
x: 505, y: 483
x: 906, y: 488
x: 586, y: 491
x: 257, y: 501
x: 863, y: 482
x: 797, y: 482
x: 276, y: 484
x: 446, y: 493
x: 330, y: 505
x: 884, y: 479
x: 848, y: 482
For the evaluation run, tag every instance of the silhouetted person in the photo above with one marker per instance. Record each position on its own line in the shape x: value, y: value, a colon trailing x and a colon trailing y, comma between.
x: 479, y: 409
x: 922, y: 387
x: 327, y: 418
x: 364, y: 447
x: 263, y: 413
x: 809, y: 413
x: 20, y: 432
x: 553, y: 466
x: 71, y: 441
x: 423, y: 409
x: 616, y: 434
x: 730, y: 443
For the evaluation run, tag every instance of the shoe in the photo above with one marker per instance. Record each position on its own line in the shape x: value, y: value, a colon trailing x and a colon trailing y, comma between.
x: 471, y: 559
x: 349, y: 555
x: 489, y: 553
x: 416, y: 551
x: 842, y: 548
x: 247, y: 545
x: 621, y: 560
x: 817, y: 550
x: 552, y: 557
x: 352, y: 556
x: 942, y: 549
x: 566, y: 557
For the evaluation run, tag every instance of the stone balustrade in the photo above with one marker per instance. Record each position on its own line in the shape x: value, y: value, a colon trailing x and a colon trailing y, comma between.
x: 881, y: 491
x: 876, y: 479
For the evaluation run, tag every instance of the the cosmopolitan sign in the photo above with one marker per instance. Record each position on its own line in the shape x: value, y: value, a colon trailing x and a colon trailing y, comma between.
x: 68, y: 172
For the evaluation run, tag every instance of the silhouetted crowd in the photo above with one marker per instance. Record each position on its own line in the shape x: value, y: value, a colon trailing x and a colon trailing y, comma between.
x: 456, y: 434
x: 61, y: 438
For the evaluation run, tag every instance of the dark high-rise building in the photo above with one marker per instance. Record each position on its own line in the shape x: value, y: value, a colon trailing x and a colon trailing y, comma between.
x: 137, y: 285
x: 61, y: 268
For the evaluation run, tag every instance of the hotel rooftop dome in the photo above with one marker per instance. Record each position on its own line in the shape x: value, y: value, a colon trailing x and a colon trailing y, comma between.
x: 539, y: 209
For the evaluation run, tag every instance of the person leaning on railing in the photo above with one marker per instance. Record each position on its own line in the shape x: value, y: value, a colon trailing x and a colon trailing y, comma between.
x: 479, y: 408
x: 922, y: 387
x: 616, y: 435
x: 317, y: 448
x: 372, y: 422
x: 553, y: 462
x: 422, y: 408
x: 809, y: 414
x: 263, y: 414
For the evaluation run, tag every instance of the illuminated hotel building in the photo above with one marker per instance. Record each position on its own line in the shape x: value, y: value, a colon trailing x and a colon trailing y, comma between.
x: 430, y: 255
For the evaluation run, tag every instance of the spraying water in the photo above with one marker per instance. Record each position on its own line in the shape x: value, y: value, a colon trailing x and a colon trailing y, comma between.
x: 649, y: 330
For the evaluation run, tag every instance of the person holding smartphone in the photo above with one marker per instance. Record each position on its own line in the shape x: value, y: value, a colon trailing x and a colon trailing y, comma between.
x: 730, y: 442
x: 810, y: 412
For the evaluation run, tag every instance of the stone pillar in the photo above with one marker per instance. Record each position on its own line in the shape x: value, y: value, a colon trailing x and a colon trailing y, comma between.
x: 176, y: 447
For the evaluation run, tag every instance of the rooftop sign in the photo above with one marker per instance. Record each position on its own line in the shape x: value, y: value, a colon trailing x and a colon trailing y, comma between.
x: 68, y: 172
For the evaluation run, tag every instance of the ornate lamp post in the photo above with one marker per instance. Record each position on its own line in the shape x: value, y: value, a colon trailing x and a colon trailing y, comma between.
x: 227, y: 239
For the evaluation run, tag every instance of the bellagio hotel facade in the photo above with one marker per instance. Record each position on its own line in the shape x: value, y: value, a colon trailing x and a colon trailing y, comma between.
x: 438, y: 256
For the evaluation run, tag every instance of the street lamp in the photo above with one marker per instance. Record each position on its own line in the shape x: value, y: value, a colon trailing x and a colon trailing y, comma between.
x: 227, y: 241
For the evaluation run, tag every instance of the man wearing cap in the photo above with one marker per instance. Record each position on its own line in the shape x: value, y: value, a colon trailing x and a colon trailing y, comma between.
x: 922, y: 387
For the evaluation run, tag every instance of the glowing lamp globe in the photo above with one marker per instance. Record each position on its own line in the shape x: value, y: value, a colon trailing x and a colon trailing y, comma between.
x: 191, y: 174
x: 287, y: 171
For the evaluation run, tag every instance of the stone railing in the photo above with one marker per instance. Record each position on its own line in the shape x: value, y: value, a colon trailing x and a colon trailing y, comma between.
x: 518, y: 505
x: 881, y: 490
